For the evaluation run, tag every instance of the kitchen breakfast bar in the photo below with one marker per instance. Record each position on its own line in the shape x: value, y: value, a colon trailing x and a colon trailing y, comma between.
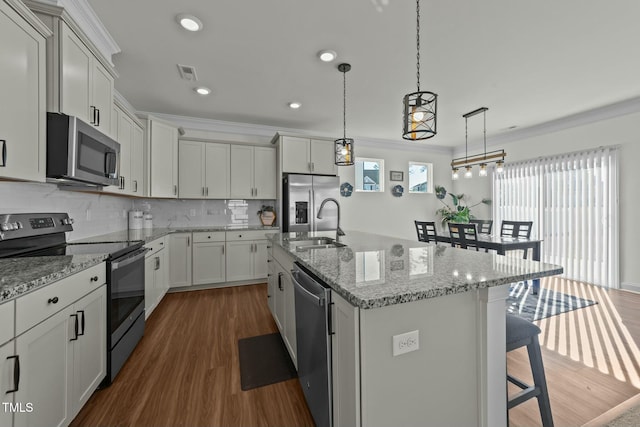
x: 450, y: 367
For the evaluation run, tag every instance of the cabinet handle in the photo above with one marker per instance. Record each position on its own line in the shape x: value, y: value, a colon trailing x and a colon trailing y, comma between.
x: 157, y: 267
x: 188, y: 241
x: 4, y: 153
x: 81, y: 322
x: 207, y: 191
x: 203, y: 191
x: 92, y: 110
x: 98, y: 121
x: 256, y: 191
x: 94, y: 279
x: 313, y: 166
x: 330, y: 320
x: 16, y: 373
x: 175, y: 190
x: 280, y: 281
x: 75, y: 327
x: 135, y: 186
x: 53, y: 300
x: 223, y: 249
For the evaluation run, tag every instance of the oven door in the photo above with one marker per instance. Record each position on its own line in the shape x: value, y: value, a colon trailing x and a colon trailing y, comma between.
x: 126, y: 293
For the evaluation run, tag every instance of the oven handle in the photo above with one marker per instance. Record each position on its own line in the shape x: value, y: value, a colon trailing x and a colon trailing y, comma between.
x: 130, y: 259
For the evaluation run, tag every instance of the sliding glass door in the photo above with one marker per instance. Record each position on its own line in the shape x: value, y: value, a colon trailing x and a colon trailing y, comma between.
x: 573, y: 201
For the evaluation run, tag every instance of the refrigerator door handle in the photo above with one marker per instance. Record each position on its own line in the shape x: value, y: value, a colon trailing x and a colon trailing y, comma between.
x: 312, y: 210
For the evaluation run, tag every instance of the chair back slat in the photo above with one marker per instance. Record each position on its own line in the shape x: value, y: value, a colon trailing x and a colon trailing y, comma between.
x: 516, y: 229
x: 426, y: 231
x: 463, y: 235
x: 485, y: 226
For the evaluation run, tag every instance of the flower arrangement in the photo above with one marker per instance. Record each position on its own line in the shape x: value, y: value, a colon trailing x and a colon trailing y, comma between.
x: 459, y: 212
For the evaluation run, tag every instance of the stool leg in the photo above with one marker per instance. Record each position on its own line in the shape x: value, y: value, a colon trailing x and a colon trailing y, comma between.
x: 537, y: 368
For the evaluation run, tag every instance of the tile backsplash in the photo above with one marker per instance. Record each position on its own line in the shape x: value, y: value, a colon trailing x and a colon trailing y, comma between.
x: 96, y: 213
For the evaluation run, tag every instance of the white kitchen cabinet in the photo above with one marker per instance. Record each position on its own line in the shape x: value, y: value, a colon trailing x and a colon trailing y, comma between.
x: 85, y: 87
x: 161, y: 144
x: 203, y: 170
x: 23, y: 106
x: 289, y: 316
x: 130, y: 136
x: 209, y: 259
x: 136, y: 174
x: 272, y: 282
x: 305, y: 155
x: 125, y: 131
x: 253, y: 172
x: 8, y: 365
x: 246, y: 255
x: 180, y: 267
x: 279, y: 300
x: 156, y: 281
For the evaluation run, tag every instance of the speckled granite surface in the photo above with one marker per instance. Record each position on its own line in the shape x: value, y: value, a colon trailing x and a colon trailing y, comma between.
x: 149, y: 235
x: 376, y: 271
x: 22, y: 275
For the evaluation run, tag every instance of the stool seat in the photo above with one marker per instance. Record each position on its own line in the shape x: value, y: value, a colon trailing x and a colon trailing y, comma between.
x: 520, y: 333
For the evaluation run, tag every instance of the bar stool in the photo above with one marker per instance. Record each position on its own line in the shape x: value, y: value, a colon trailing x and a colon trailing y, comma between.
x: 520, y: 333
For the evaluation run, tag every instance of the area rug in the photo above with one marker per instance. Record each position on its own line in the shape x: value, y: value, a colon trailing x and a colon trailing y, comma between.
x: 264, y: 360
x: 523, y: 303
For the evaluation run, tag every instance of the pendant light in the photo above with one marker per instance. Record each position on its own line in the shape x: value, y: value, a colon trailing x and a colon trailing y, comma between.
x: 420, y: 107
x: 344, y: 145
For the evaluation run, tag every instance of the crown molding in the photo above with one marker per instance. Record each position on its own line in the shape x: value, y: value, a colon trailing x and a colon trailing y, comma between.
x: 22, y: 10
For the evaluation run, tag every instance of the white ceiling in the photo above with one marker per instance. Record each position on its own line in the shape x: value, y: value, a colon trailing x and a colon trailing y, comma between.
x: 528, y: 62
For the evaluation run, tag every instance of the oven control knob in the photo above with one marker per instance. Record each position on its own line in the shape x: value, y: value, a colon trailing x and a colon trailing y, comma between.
x: 5, y: 227
x: 67, y: 221
x: 18, y: 225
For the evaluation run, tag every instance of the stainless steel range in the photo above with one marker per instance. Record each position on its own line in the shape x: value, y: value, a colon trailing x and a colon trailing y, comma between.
x: 43, y: 234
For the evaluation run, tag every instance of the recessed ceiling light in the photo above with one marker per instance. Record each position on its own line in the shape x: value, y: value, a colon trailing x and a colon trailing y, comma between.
x: 294, y: 105
x: 327, y: 55
x: 203, y: 90
x: 189, y: 22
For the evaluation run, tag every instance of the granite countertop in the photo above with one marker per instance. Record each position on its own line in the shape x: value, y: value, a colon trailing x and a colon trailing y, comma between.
x: 150, y: 234
x: 376, y: 271
x: 23, y: 275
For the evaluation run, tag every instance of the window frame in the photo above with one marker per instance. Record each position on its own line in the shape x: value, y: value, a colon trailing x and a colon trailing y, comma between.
x: 430, y: 186
x: 381, y: 176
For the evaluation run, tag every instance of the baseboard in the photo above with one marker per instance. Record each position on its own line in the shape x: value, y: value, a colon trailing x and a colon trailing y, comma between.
x: 216, y: 285
x: 614, y: 412
x: 628, y: 286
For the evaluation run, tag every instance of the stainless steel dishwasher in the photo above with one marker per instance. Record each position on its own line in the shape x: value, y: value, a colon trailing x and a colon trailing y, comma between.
x: 313, y: 313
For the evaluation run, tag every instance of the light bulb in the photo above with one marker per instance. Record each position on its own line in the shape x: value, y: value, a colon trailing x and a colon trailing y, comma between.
x: 483, y: 169
x: 344, y: 151
x: 468, y: 173
x: 499, y: 166
x: 418, y: 116
x: 455, y: 175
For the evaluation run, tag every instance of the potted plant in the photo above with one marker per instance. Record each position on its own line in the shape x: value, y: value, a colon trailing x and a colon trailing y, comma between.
x: 459, y: 212
x: 267, y: 215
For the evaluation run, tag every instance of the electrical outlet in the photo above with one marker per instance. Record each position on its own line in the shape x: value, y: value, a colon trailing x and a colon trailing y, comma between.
x: 404, y: 343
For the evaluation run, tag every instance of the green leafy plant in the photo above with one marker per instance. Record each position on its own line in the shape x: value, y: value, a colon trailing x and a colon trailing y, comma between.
x: 459, y: 212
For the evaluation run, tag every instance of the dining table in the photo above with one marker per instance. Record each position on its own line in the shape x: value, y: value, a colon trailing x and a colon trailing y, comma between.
x: 503, y: 244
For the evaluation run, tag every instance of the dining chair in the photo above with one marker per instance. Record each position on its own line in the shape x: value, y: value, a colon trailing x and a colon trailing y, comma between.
x: 485, y: 226
x: 520, y: 229
x: 426, y: 231
x: 463, y: 235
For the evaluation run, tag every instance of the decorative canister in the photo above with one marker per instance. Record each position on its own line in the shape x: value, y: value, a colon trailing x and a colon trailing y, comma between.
x: 136, y: 220
x: 148, y: 220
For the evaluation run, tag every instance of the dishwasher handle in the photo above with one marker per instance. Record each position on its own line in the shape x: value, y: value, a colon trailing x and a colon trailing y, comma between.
x: 319, y: 300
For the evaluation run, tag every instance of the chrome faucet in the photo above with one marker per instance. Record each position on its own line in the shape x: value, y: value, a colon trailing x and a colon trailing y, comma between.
x: 339, y: 231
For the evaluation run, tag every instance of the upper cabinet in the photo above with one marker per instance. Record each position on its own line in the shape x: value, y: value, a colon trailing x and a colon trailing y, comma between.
x: 253, y: 172
x: 161, y: 148
x: 305, y: 155
x: 23, y: 106
x: 130, y: 135
x: 203, y: 170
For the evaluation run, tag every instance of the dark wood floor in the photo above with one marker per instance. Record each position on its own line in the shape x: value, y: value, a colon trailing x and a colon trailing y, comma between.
x: 185, y: 370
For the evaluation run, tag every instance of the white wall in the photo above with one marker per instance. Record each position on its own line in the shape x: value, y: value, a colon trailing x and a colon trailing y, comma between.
x: 621, y: 131
x: 383, y: 213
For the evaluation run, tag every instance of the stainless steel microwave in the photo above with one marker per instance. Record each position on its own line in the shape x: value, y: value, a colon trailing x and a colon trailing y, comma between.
x: 78, y: 153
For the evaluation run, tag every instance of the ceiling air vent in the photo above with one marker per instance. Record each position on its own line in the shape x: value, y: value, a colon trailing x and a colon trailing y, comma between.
x: 187, y: 72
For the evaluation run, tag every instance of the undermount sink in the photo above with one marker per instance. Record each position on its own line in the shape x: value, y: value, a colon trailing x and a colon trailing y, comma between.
x: 320, y: 246
x: 316, y: 243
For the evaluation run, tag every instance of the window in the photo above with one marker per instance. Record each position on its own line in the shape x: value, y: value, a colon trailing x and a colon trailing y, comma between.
x: 420, y: 177
x: 369, y: 175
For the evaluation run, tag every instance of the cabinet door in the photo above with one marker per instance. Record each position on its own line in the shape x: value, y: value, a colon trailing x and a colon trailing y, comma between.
x: 90, y: 349
x: 239, y: 260
x: 265, y: 172
x: 137, y: 161
x: 217, y: 171
x: 191, y: 169
x: 125, y: 129
x: 208, y: 263
x: 272, y: 286
x: 295, y: 154
x: 180, y: 259
x: 75, y: 77
x: 163, y: 175
x: 279, y: 302
x: 323, y: 157
x: 289, y: 316
x: 260, y: 256
x: 46, y: 363
x: 22, y: 109
x: 242, y: 172
x: 7, y: 368
x: 150, y: 264
x: 162, y: 274
x: 101, y: 95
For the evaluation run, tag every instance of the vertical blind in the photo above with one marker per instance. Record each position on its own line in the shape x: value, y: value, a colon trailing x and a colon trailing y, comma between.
x: 572, y: 200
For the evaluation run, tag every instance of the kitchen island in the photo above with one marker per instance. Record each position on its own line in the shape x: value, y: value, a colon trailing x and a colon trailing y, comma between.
x: 453, y: 300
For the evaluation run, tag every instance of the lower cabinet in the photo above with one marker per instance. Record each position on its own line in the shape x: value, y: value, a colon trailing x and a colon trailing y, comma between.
x: 180, y: 260
x: 156, y: 275
x: 62, y: 362
x: 246, y: 255
x: 209, y: 258
x: 284, y: 312
x: 7, y: 383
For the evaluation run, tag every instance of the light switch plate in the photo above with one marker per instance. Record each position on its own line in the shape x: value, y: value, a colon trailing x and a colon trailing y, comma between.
x: 405, y: 343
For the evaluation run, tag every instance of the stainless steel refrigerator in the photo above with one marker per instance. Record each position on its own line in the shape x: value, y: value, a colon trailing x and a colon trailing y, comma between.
x: 301, y: 199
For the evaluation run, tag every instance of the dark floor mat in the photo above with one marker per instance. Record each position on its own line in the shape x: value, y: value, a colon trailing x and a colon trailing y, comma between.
x: 264, y: 360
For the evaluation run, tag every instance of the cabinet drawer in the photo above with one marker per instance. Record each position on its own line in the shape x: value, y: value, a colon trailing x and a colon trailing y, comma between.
x: 247, y: 235
x: 212, y: 236
x: 35, y: 307
x: 7, y: 311
x: 155, y: 246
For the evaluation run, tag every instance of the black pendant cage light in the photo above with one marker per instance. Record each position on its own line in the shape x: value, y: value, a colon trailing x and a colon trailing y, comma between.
x: 420, y: 107
x: 344, y: 145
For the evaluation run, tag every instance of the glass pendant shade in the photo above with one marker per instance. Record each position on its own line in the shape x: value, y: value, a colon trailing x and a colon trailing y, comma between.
x: 454, y: 174
x: 499, y: 166
x: 420, y: 109
x: 483, y: 169
x: 344, y: 151
x: 469, y: 172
